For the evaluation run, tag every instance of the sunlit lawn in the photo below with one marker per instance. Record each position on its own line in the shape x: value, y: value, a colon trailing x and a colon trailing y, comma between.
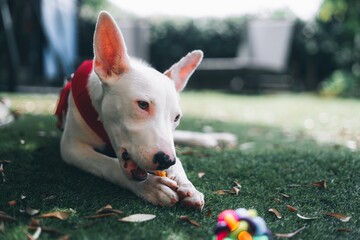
x: 283, y: 140
x: 327, y: 120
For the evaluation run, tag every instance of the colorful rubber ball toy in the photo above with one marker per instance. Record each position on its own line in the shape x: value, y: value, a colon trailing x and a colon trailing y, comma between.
x: 241, y: 224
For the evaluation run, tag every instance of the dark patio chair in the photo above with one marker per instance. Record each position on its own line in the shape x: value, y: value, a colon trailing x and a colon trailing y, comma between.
x: 262, y: 58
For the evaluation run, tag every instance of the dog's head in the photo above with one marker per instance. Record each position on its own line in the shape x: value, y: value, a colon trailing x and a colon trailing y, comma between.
x: 140, y: 106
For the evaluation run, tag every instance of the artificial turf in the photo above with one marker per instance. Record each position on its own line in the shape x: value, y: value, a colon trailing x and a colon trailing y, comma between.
x: 268, y: 163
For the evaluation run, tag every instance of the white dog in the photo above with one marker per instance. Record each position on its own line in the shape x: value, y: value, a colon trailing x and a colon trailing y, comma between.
x: 120, y: 103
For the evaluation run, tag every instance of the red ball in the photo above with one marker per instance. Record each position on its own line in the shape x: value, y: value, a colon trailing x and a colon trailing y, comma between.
x: 222, y: 235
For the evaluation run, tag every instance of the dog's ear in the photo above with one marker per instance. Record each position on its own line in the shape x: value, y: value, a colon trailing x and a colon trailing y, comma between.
x: 110, y: 56
x: 181, y: 71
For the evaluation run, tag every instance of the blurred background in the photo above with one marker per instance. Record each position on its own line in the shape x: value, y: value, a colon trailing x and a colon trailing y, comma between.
x: 250, y: 46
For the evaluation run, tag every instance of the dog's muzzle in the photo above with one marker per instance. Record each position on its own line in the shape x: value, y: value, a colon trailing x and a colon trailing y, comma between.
x: 163, y: 160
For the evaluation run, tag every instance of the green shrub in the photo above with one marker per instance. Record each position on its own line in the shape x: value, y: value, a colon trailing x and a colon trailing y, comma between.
x: 341, y: 83
x: 170, y: 39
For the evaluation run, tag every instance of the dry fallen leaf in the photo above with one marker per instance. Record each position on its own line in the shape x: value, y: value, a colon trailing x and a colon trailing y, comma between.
x: 237, y: 184
x: 12, y: 203
x: 101, y: 215
x: 5, y: 217
x: 344, y: 230
x: 305, y: 217
x: 284, y: 195
x: 104, y: 209
x: 208, y: 213
x: 221, y: 192
x: 36, y: 234
x: 201, y: 174
x: 339, y: 216
x: 58, y: 214
x: 234, y: 190
x: 289, y: 235
x: 32, y: 212
x: 275, y: 212
x: 294, y: 185
x: 291, y: 208
x: 321, y: 184
x: 138, y: 218
x: 187, y: 219
x: 108, y: 209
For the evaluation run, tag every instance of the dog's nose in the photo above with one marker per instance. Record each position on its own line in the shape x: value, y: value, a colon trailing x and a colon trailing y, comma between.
x: 163, y: 160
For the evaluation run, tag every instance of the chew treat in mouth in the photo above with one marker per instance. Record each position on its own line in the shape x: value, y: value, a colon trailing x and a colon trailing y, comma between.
x: 160, y: 173
x: 134, y: 171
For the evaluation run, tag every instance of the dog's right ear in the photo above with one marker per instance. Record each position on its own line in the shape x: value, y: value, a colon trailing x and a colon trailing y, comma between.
x: 110, y: 55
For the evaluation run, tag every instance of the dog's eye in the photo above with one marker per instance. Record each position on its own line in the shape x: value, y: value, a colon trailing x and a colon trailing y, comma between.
x: 177, y: 118
x: 143, y: 105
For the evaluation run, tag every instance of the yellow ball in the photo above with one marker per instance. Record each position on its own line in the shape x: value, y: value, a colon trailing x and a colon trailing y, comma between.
x: 252, y: 213
x: 243, y: 226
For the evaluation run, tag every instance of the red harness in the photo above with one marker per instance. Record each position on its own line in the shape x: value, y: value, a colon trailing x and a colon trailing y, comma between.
x: 80, y: 94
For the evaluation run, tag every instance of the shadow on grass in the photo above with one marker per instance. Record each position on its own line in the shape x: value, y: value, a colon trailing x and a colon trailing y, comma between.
x: 268, y: 166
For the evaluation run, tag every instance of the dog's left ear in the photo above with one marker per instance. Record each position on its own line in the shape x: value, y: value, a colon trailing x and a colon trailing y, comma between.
x: 181, y: 71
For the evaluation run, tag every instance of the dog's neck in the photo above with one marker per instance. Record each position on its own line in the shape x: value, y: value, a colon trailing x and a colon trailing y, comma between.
x: 96, y: 90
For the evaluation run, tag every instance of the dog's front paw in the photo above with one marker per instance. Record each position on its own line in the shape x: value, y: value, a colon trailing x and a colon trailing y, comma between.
x: 190, y: 197
x: 159, y: 191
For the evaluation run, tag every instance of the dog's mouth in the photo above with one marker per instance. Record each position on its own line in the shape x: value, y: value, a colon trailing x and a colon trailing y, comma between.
x: 136, y: 172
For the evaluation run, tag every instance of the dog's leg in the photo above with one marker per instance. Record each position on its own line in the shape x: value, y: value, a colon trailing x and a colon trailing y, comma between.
x: 188, y: 194
x: 160, y: 191
x: 157, y: 190
x: 86, y: 158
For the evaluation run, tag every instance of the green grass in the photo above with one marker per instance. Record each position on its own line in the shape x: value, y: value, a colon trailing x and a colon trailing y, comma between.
x: 283, y: 140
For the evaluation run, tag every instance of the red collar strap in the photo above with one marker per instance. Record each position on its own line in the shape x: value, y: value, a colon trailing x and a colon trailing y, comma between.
x: 80, y: 93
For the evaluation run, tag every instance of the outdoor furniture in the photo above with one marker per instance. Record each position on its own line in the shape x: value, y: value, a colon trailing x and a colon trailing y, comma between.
x: 261, y: 60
